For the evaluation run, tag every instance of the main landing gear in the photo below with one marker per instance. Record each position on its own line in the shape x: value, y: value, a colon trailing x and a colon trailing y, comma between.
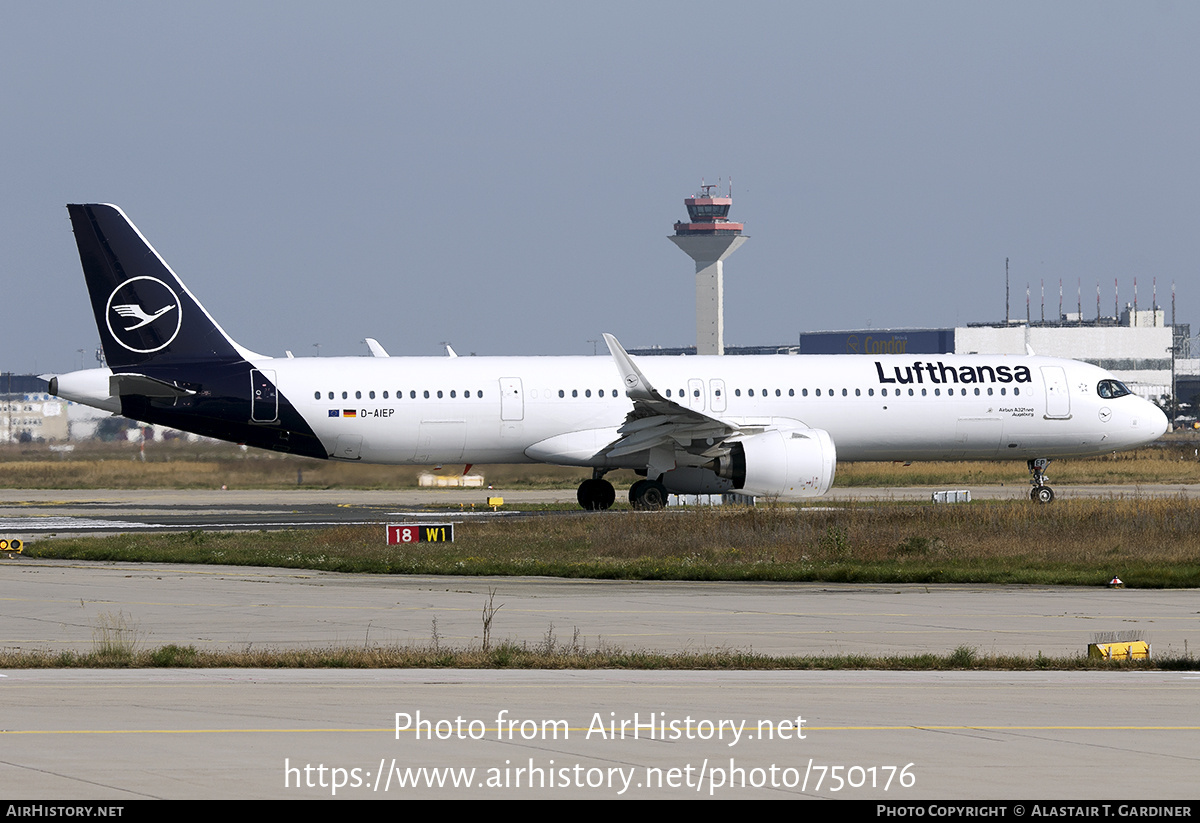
x: 648, y: 494
x: 1040, y: 493
x: 596, y: 493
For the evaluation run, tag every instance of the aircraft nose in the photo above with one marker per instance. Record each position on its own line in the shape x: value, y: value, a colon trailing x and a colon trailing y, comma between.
x: 1158, y: 423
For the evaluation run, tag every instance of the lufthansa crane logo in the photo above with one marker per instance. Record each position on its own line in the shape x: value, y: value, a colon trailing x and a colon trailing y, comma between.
x: 143, y: 314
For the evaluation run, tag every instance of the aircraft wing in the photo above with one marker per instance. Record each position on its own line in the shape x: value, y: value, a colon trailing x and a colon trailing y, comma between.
x: 657, y: 423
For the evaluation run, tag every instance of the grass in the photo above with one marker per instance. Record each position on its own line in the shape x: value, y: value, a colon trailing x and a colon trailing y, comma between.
x: 1173, y: 460
x: 178, y: 464
x: 509, y: 655
x: 1148, y: 542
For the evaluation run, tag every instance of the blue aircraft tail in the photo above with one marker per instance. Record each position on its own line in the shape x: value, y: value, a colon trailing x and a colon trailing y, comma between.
x: 143, y: 311
x: 170, y: 362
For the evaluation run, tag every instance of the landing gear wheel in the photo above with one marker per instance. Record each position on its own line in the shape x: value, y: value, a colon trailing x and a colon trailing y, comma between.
x: 1042, y: 494
x: 635, y: 491
x: 595, y: 494
x: 650, y: 494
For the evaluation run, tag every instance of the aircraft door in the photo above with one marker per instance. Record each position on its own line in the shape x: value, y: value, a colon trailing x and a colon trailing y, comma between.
x: 512, y: 399
x: 696, y: 394
x: 716, y: 400
x: 1058, y: 398
x: 264, y: 398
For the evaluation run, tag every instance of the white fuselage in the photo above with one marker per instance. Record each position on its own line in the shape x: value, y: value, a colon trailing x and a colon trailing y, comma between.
x: 506, y: 409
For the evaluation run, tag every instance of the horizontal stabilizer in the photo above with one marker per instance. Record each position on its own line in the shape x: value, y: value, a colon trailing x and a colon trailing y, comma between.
x: 139, y: 384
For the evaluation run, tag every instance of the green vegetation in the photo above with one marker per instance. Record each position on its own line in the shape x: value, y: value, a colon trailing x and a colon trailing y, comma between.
x: 1148, y: 542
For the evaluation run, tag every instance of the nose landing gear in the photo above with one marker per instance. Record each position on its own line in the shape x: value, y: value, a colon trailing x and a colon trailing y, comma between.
x: 1040, y: 493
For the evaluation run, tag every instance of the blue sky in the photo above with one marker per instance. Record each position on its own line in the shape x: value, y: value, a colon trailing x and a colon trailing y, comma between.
x: 504, y: 176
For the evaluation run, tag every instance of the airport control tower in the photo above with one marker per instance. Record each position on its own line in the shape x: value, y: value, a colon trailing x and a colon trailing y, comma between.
x: 708, y: 239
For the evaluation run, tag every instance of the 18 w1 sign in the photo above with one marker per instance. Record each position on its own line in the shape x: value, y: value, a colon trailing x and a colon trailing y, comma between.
x: 420, y: 533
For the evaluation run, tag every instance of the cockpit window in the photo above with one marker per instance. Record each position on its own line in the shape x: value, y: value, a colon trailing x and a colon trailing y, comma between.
x: 1109, y: 389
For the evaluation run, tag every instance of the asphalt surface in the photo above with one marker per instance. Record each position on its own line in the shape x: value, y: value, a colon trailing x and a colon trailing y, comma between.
x: 25, y: 514
x: 901, y: 736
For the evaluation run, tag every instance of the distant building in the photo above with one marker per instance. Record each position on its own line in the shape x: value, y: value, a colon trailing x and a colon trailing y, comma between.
x: 1136, y: 348
x: 28, y: 412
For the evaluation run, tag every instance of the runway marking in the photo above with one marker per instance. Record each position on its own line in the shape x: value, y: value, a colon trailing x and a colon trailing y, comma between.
x: 40, y: 523
x: 453, y: 513
x: 46, y: 524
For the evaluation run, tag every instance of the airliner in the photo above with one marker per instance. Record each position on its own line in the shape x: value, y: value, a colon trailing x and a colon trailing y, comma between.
x: 763, y: 426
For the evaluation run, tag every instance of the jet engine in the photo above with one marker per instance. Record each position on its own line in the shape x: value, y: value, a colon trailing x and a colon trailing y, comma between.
x: 783, y: 463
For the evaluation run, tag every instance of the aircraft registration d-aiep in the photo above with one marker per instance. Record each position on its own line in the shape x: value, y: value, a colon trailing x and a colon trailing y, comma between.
x: 771, y: 426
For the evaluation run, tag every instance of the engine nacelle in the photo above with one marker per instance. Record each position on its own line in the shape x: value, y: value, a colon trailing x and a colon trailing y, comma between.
x: 782, y: 463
